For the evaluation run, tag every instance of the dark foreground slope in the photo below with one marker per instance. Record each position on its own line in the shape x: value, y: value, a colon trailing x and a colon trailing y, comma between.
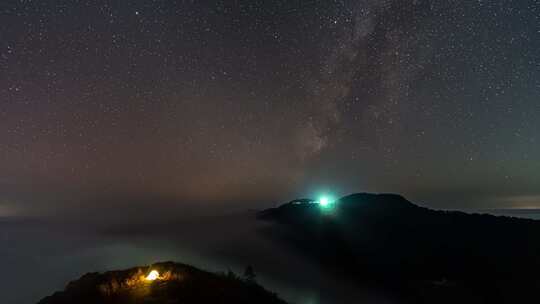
x: 417, y: 254
x: 178, y: 283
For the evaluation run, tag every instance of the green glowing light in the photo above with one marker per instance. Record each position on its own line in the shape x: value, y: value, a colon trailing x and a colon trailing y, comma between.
x: 324, y: 201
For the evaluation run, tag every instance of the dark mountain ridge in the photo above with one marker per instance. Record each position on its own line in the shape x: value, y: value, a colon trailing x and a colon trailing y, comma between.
x: 421, y: 255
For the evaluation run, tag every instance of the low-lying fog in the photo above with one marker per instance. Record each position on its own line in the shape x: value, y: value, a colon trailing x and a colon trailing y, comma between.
x: 41, y: 256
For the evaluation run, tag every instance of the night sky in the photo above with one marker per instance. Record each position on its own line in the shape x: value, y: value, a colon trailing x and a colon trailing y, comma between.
x: 222, y: 103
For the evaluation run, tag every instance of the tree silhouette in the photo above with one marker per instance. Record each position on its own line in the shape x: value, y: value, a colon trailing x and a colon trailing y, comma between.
x: 249, y: 274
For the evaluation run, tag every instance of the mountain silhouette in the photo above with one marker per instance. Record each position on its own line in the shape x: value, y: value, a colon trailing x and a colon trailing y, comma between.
x: 174, y: 283
x: 417, y: 254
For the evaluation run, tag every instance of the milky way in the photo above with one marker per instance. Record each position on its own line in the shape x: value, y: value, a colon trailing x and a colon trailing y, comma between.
x: 255, y: 102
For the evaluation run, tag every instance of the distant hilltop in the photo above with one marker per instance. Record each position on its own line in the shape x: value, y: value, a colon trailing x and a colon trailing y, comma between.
x: 422, y: 255
x: 364, y: 201
x: 160, y: 283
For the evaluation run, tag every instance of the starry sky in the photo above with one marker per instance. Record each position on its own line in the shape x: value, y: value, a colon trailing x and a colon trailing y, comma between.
x: 246, y: 103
